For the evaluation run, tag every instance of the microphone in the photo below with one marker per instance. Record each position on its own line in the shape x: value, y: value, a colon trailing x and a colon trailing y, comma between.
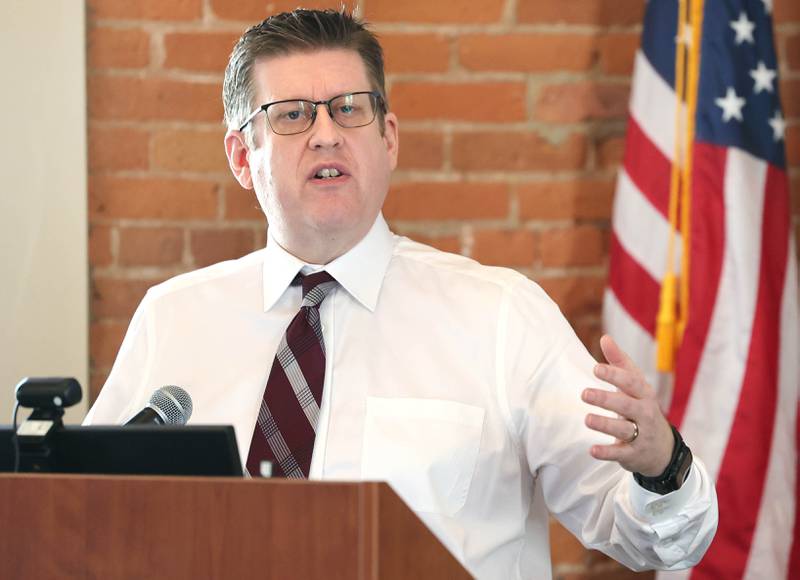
x: 169, y: 405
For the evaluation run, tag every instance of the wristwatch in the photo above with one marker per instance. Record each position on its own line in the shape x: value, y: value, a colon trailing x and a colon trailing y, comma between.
x: 676, y: 472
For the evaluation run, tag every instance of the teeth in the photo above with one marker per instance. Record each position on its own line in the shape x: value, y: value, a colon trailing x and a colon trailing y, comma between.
x: 328, y: 172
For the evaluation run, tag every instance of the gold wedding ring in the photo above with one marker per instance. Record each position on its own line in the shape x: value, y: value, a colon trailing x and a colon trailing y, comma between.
x: 635, y: 432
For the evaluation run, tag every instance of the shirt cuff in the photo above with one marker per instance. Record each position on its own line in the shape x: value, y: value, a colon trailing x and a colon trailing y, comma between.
x: 652, y: 507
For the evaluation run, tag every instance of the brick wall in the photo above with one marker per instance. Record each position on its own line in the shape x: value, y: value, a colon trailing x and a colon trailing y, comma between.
x: 512, y: 114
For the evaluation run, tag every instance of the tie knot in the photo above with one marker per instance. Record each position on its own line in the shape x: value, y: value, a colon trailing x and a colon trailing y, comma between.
x: 316, y: 287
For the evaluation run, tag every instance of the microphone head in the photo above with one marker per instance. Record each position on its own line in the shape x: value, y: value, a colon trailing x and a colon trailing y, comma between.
x: 173, y: 404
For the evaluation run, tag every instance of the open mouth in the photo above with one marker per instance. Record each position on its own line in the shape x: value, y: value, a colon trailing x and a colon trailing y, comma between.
x: 327, y: 173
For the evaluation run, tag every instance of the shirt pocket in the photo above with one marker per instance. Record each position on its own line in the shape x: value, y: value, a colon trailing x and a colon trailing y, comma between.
x: 425, y: 448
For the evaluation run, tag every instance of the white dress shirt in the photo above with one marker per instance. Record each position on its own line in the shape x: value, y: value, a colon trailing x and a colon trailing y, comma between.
x: 457, y: 383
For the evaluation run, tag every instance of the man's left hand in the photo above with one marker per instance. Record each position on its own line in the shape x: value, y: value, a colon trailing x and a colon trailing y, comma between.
x: 644, y: 437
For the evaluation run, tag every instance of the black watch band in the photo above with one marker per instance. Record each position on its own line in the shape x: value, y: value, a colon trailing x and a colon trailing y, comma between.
x: 676, y: 472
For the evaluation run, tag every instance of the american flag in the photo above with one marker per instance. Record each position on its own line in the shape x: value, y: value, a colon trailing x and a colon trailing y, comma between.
x: 733, y: 390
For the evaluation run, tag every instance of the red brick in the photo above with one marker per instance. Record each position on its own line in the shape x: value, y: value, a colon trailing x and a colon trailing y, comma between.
x: 421, y: 150
x: 793, y: 145
x: 505, y: 247
x: 589, y: 331
x: 128, y: 98
x: 157, y: 246
x: 527, y: 52
x: 96, y: 381
x: 450, y: 244
x: 609, y: 152
x: 576, y: 295
x: 105, y: 339
x: 100, y: 246
x: 516, y: 151
x: 115, y: 148
x: 145, y: 9
x: 575, y: 199
x: 443, y: 201
x: 481, y: 102
x: 790, y: 98
x: 118, y: 48
x: 156, y: 198
x: 117, y: 298
x: 786, y: 11
x: 582, y: 101
x: 793, y: 52
x: 212, y: 246
x: 608, y: 570
x: 241, y: 204
x: 190, y: 150
x: 597, y: 12
x: 261, y: 237
x: 199, y: 51
x: 421, y: 53
x: 617, y: 52
x: 456, y: 11
x: 256, y: 10
x: 573, y: 246
x: 564, y: 547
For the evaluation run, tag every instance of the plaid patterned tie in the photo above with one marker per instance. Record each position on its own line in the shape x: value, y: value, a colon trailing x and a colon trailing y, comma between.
x: 287, y: 419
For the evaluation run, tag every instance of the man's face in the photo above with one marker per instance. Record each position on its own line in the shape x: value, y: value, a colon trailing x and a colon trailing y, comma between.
x: 307, y: 214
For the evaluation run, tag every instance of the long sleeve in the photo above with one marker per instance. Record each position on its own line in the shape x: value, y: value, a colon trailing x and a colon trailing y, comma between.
x: 599, y: 502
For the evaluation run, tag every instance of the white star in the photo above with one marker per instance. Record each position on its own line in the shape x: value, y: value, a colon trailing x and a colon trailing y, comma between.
x: 778, y: 126
x: 767, y: 6
x: 763, y: 77
x: 731, y: 106
x: 687, y: 36
x: 744, y: 29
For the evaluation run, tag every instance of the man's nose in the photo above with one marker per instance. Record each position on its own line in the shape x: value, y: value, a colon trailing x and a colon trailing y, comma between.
x: 325, y: 132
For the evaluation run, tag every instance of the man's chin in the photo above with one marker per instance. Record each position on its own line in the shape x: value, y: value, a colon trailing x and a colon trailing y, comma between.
x: 333, y: 228
x: 341, y: 228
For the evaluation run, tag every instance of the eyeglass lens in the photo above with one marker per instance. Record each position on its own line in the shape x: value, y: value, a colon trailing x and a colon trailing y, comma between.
x: 351, y: 110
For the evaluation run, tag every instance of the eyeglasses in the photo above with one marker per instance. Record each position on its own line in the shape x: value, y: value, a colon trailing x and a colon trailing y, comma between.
x: 296, y: 116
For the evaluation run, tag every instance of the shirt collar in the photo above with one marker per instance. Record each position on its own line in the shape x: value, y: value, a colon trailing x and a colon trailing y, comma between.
x: 360, y: 270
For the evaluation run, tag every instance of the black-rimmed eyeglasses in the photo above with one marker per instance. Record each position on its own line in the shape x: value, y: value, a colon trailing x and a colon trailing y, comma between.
x: 297, y: 115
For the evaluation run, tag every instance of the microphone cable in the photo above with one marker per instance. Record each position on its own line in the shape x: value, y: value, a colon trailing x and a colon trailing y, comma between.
x: 14, y: 439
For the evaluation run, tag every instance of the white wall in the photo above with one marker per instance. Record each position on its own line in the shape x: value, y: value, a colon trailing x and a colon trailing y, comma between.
x: 43, y: 202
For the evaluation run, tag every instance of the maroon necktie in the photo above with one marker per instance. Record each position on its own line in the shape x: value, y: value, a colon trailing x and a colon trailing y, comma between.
x: 287, y: 419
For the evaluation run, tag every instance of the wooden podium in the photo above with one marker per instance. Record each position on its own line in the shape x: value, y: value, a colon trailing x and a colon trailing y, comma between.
x: 175, y: 528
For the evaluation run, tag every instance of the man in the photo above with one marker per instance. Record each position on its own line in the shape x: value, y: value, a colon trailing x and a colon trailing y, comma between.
x: 461, y: 385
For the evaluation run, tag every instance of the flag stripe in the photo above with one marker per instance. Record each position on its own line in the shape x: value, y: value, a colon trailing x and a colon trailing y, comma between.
x: 794, y: 556
x: 750, y: 437
x: 641, y: 229
x: 625, y: 272
x: 707, y: 242
x: 769, y: 554
x: 725, y: 349
x: 647, y: 167
x: 630, y: 335
x: 653, y: 106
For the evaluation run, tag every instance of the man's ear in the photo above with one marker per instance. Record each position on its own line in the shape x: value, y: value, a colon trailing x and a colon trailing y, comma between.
x: 237, y: 151
x: 391, y: 137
